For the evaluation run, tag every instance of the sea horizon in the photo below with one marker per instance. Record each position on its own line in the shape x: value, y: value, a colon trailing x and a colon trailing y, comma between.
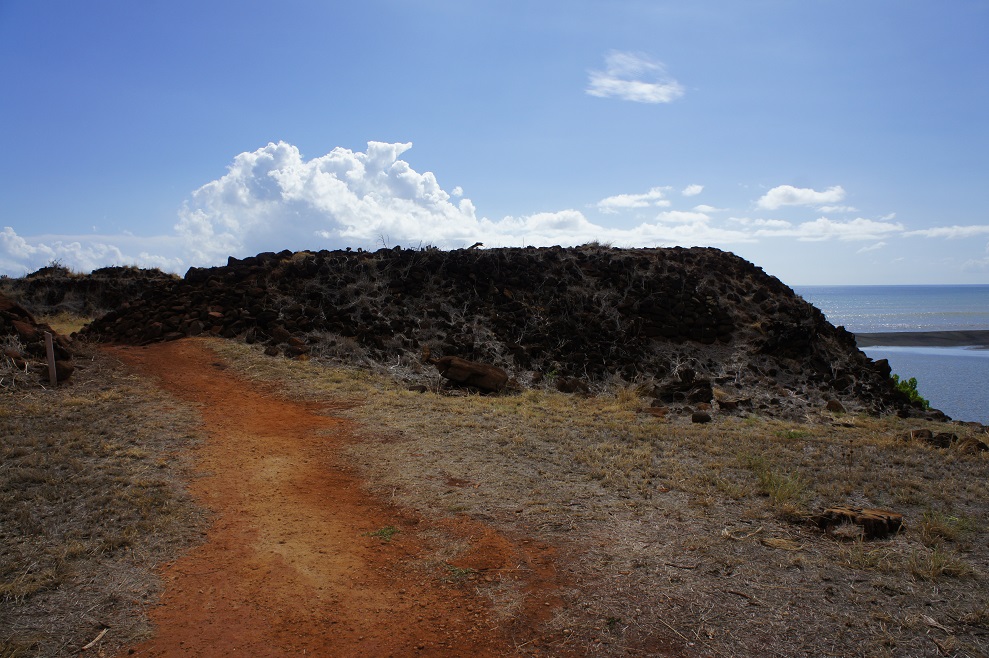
x: 951, y: 378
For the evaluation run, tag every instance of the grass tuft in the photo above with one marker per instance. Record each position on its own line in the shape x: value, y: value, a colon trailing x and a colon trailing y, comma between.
x: 936, y: 527
x: 787, y: 492
x: 385, y: 534
x: 932, y: 564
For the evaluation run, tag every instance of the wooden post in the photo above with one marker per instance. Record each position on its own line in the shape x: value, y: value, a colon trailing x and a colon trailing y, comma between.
x: 50, y: 348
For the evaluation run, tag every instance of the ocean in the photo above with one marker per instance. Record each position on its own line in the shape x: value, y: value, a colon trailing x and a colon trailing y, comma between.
x: 954, y: 379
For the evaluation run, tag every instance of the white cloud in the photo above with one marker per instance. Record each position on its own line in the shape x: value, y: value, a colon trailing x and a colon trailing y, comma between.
x: 14, y: 246
x: 633, y: 77
x: 619, y: 202
x: 682, y: 217
x: 871, y: 247
x: 827, y: 229
x: 787, y: 195
x: 977, y: 263
x: 842, y: 209
x: 272, y: 198
x: 763, y: 223
x: 950, y: 231
x: 692, y: 190
x: 20, y: 255
x: 820, y: 229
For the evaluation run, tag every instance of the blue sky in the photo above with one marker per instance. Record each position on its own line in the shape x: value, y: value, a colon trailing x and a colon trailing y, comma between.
x: 829, y: 142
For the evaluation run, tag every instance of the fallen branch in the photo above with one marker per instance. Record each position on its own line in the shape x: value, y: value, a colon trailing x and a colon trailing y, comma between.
x: 95, y: 640
x: 727, y: 534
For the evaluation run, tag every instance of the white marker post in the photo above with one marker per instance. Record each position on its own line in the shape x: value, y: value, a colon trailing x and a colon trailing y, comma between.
x: 50, y: 348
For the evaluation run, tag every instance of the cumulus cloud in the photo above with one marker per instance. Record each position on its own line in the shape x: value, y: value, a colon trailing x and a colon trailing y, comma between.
x: 633, y: 77
x: 787, y: 195
x: 619, y: 202
x: 273, y: 198
x: 692, y: 190
x: 20, y: 255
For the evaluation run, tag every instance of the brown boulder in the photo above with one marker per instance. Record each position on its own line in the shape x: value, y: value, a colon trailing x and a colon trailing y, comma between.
x: 26, y: 331
x: 939, y: 440
x: 921, y: 435
x: 971, y: 446
x: 658, y: 412
x: 280, y: 334
x: 63, y: 370
x: 572, y: 385
x: 488, y: 378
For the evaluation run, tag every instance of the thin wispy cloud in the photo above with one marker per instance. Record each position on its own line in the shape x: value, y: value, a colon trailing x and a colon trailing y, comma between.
x: 682, y: 217
x: 633, y: 77
x: 692, y: 190
x: 787, y: 195
x: 826, y: 229
x: 871, y: 247
x: 950, y: 231
x: 619, y: 202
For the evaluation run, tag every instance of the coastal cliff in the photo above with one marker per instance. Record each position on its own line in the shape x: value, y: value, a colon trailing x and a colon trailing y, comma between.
x: 700, y: 327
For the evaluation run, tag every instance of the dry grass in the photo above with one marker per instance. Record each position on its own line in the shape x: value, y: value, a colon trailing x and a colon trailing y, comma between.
x: 90, y: 502
x: 680, y: 533
x: 64, y: 323
x: 668, y: 533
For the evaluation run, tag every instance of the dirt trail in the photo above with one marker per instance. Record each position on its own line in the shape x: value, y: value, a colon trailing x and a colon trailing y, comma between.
x: 288, y: 566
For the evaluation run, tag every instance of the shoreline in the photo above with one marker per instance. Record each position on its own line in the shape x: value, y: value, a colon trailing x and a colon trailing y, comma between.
x: 974, y: 338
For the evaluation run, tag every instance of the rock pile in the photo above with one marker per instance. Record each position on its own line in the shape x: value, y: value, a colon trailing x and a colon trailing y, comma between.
x: 55, y: 288
x: 944, y: 440
x: 702, y: 325
x: 24, y: 342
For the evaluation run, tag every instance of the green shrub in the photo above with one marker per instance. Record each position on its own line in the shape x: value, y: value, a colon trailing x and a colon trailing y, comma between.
x: 909, y: 388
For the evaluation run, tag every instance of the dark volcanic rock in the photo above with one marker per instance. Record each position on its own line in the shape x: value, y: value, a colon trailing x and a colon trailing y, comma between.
x: 16, y: 322
x: 700, y: 323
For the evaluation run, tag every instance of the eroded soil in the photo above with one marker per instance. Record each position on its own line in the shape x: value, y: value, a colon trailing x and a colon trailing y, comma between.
x: 290, y: 566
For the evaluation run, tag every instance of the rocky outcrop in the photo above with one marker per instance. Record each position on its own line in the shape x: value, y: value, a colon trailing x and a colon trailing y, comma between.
x: 698, y: 325
x: 25, y: 344
x: 55, y: 288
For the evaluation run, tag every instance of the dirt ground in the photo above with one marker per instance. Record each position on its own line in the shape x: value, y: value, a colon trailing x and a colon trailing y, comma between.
x: 298, y: 559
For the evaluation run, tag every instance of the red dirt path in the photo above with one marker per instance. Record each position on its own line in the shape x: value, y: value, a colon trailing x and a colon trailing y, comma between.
x: 288, y: 566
